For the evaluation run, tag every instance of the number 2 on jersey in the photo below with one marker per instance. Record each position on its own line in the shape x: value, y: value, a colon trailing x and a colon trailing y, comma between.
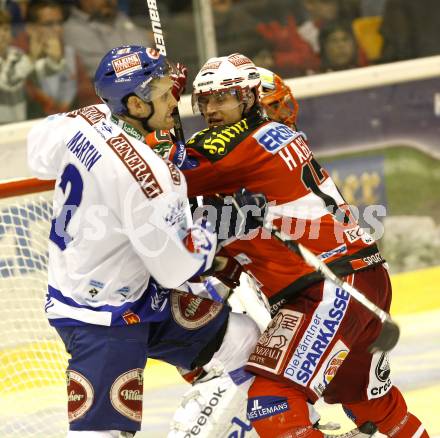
x: 58, y: 233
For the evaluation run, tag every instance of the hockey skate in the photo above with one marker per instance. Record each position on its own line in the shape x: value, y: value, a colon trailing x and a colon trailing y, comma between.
x: 213, y: 408
x: 216, y: 407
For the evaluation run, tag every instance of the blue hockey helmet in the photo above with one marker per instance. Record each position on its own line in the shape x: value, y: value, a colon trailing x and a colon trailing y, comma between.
x: 128, y: 70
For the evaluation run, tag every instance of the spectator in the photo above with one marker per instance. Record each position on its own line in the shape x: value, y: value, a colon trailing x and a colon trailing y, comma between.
x: 15, y: 66
x: 59, y: 82
x: 410, y: 29
x: 270, y: 10
x: 320, y: 12
x: 325, y: 11
x: 292, y: 55
x: 17, y: 9
x: 235, y: 29
x: 296, y: 47
x: 96, y: 26
x: 338, y: 48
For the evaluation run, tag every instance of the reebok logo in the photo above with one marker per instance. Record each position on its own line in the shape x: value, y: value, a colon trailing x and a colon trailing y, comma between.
x: 206, y: 412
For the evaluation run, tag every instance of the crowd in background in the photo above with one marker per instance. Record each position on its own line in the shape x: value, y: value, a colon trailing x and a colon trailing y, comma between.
x: 49, y: 49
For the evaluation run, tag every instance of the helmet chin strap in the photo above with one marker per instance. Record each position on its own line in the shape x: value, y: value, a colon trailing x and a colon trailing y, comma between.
x: 247, y: 110
x: 144, y: 120
x: 243, y: 111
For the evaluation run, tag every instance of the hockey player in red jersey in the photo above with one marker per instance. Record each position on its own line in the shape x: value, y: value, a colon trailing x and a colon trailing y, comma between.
x: 317, y: 344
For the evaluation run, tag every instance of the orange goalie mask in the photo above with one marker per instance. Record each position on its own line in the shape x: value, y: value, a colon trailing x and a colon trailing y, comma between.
x: 277, y: 98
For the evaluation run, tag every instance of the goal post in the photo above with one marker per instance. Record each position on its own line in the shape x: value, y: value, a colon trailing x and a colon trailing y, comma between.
x: 25, y: 186
x: 32, y: 358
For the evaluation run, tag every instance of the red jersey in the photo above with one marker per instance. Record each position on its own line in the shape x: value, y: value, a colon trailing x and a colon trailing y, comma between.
x: 269, y: 157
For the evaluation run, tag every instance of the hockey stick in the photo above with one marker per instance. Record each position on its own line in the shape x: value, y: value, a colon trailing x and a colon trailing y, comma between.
x: 390, y: 332
x: 160, y: 46
x: 178, y: 129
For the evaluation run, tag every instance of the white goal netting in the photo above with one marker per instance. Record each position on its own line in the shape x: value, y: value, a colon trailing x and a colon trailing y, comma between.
x: 32, y: 358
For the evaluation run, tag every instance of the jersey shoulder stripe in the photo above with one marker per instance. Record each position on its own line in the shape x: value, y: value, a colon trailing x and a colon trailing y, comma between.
x: 151, y: 305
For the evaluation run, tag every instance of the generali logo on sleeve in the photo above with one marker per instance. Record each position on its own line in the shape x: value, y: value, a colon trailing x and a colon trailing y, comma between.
x: 127, y: 64
x: 136, y: 165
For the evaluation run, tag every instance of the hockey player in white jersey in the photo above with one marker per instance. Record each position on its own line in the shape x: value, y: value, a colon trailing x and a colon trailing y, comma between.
x: 121, y: 236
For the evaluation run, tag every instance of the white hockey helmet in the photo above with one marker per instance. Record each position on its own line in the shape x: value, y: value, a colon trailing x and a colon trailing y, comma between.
x: 235, y: 74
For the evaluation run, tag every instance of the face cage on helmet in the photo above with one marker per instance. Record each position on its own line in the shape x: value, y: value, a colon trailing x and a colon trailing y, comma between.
x: 239, y: 93
x: 284, y: 97
x: 144, y: 90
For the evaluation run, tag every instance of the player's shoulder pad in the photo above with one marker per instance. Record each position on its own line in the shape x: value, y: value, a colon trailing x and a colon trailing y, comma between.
x: 92, y: 114
x: 216, y: 143
x: 273, y: 136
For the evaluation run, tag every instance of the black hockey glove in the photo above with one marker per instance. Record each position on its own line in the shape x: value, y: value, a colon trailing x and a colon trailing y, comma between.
x: 251, y: 208
x: 236, y: 215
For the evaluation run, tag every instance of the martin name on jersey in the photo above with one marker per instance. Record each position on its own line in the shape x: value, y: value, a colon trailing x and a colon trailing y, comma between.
x: 120, y: 216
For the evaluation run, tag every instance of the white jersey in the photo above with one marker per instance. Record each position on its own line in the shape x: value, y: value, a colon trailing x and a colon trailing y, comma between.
x: 120, y: 215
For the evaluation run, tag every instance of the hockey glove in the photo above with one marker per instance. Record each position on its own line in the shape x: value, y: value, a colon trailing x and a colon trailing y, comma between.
x: 202, y: 241
x: 227, y: 270
x: 251, y: 208
x: 164, y: 143
x: 180, y: 158
x: 236, y: 215
x: 179, y: 76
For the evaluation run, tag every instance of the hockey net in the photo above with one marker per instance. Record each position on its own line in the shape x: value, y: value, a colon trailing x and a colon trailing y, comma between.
x: 32, y: 358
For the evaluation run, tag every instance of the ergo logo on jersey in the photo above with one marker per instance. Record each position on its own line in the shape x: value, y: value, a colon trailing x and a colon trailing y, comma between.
x: 274, y: 136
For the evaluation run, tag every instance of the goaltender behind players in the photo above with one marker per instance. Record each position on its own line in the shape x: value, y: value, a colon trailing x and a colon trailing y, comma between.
x: 122, y: 234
